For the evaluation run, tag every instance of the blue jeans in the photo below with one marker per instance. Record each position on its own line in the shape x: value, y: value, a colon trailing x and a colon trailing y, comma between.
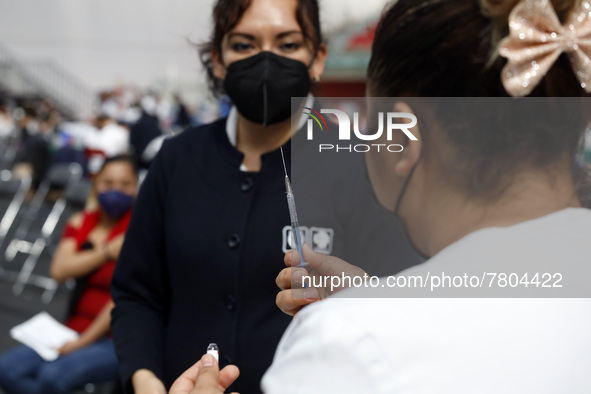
x: 23, y: 371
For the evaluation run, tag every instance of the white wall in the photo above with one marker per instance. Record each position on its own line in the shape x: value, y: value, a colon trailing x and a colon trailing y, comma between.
x: 105, y: 42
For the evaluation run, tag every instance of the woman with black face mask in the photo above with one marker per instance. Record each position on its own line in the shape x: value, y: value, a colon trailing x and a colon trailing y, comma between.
x: 206, y: 243
x: 87, y: 252
x: 212, y: 223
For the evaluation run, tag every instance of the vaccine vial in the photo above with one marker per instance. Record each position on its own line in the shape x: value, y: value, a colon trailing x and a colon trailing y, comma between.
x: 214, y: 351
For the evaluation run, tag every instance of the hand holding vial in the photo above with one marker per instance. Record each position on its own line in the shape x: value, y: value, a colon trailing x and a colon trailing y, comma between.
x: 205, y: 377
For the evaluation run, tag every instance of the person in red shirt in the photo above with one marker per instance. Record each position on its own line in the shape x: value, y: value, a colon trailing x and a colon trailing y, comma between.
x: 87, y: 252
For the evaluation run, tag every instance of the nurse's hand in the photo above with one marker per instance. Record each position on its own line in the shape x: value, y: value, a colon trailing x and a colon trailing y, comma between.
x: 204, y: 377
x: 320, y: 268
x: 146, y: 382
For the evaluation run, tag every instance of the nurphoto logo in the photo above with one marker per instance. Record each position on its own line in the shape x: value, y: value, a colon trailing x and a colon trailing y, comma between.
x: 344, y: 122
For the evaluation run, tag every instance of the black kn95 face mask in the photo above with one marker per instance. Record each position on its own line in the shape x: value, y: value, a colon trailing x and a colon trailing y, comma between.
x: 262, y: 86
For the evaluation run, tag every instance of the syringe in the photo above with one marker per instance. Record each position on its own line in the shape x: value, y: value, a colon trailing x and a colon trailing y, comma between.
x: 293, y: 215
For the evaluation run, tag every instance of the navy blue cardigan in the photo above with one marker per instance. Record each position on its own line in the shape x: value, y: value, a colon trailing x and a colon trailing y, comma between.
x: 206, y: 242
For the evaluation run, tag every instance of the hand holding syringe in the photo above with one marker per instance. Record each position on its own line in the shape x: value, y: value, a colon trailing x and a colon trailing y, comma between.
x: 318, y: 264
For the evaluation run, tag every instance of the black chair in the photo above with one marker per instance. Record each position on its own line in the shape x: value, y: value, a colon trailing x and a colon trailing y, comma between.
x: 8, y: 150
x: 13, y: 191
x: 73, y: 200
x: 58, y: 178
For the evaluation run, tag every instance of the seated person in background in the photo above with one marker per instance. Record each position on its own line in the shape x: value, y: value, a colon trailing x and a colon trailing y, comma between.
x: 108, y: 138
x: 33, y: 156
x: 6, y: 121
x: 145, y: 136
x: 87, y: 252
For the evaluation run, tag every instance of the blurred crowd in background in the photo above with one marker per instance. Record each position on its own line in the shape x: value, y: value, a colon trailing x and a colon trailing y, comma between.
x: 34, y: 134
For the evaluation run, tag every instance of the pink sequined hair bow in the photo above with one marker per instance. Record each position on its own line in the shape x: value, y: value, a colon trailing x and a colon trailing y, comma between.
x: 537, y: 38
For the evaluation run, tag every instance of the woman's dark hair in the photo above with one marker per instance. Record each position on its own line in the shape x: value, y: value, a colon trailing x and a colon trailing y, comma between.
x: 227, y: 14
x: 448, y: 48
x: 120, y: 159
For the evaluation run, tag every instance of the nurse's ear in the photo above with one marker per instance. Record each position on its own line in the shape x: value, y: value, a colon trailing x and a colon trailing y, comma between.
x: 409, y: 157
x: 219, y: 70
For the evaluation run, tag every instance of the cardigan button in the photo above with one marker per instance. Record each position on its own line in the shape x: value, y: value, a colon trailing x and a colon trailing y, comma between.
x: 230, y: 302
x: 247, y: 184
x: 225, y: 359
x: 233, y: 241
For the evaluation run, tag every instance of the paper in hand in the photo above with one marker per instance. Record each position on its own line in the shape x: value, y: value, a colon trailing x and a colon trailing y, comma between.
x: 43, y: 334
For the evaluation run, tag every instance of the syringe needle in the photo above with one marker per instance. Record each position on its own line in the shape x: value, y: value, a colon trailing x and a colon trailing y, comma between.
x: 283, y: 159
